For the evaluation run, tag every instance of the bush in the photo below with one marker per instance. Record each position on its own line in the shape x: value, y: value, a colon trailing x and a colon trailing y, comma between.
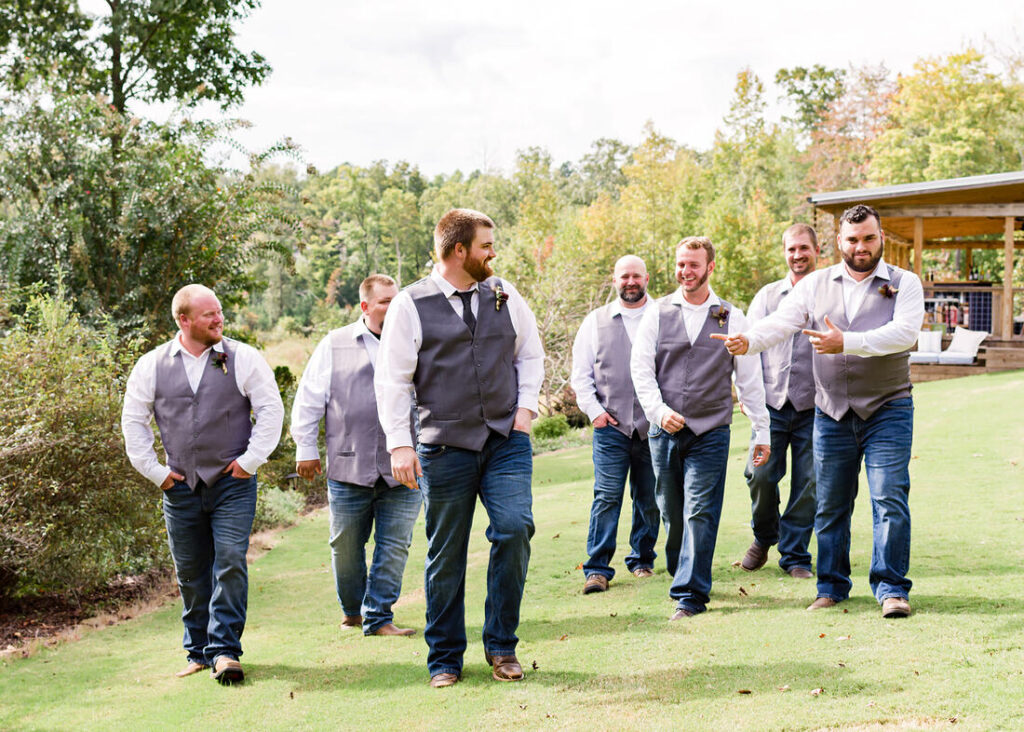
x: 73, y: 511
x: 547, y: 428
x: 277, y: 507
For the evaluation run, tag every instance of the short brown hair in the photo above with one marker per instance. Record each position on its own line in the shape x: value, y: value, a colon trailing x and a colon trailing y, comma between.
x: 366, y: 286
x: 458, y: 226
x: 698, y: 242
x: 802, y: 230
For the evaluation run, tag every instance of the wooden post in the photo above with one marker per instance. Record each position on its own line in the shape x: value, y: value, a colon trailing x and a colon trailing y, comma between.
x: 1008, y: 279
x: 969, y: 263
x: 918, y: 244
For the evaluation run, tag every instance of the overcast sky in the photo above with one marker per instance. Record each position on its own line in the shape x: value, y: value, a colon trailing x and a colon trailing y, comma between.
x: 460, y: 84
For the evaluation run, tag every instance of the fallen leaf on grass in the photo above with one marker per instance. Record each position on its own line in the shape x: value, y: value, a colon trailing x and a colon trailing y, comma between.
x: 291, y: 694
x: 841, y: 664
x: 744, y: 691
x: 871, y: 704
x: 742, y: 591
x: 736, y: 563
x: 784, y: 687
x: 821, y: 635
x: 844, y: 637
x: 579, y: 566
x: 522, y: 706
x: 564, y: 637
x: 953, y: 720
x: 556, y: 536
x: 817, y: 692
x: 613, y: 614
x: 535, y: 666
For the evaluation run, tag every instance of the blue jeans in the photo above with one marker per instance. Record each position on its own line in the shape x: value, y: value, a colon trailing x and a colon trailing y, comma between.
x: 615, y: 455
x: 690, y: 485
x: 883, y: 441
x: 792, y: 430
x: 355, y: 509
x: 208, y: 532
x: 500, y: 474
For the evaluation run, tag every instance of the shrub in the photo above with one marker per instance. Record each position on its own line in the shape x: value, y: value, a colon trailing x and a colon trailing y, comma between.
x: 73, y: 512
x: 547, y: 428
x: 277, y: 507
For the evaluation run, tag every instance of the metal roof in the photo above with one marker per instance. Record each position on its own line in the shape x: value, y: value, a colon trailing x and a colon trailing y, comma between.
x: 949, y: 185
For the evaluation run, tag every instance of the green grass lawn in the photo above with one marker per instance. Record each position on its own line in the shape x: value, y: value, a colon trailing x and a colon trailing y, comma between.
x: 612, y: 661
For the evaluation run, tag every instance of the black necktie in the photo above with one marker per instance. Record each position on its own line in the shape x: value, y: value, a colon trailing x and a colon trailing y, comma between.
x: 467, y: 312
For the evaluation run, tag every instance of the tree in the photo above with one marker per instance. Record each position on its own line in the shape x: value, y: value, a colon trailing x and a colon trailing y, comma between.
x: 123, y: 231
x: 149, y: 50
x: 811, y: 91
x: 953, y: 117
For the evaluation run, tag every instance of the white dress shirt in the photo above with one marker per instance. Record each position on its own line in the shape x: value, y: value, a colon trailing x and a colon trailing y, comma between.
x: 897, y: 335
x: 584, y: 353
x: 254, y: 379
x: 400, y: 346
x: 746, y: 369
x: 314, y: 391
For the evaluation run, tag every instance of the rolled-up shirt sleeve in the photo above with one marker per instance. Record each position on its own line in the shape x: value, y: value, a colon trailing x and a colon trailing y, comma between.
x: 136, y: 421
x: 256, y: 381
x: 311, y: 398
x: 900, y: 333
x: 528, y: 360
x: 750, y: 385
x: 399, y: 350
x: 641, y: 367
x: 584, y: 354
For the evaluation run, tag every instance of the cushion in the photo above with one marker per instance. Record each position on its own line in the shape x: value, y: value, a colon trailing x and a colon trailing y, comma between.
x: 929, y: 341
x: 966, y: 342
x: 953, y: 358
x: 924, y: 356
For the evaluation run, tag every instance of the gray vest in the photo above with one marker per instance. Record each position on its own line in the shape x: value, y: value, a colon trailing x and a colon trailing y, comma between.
x: 695, y: 379
x: 356, y: 448
x: 202, y: 432
x: 854, y: 382
x: 788, y: 366
x: 612, y: 381
x: 466, y: 383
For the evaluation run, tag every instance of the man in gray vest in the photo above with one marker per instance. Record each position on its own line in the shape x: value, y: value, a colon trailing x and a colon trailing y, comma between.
x: 604, y: 391
x: 338, y: 383
x: 216, y: 403
x: 789, y: 392
x: 684, y: 383
x: 864, y: 317
x: 468, y: 343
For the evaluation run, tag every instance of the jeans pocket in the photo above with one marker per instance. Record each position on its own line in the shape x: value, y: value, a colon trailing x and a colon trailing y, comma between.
x: 430, y: 451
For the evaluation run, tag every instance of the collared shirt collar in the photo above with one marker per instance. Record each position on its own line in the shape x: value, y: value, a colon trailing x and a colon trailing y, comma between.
x: 447, y: 287
x: 839, y: 272
x: 678, y: 299
x: 176, y: 346
x: 362, y: 329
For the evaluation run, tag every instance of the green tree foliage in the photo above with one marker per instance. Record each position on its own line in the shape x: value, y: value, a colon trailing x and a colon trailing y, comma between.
x: 123, y: 230
x: 73, y: 512
x: 952, y: 117
x: 150, y: 50
x: 811, y: 91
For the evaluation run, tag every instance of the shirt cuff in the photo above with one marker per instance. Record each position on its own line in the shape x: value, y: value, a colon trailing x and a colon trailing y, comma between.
x: 398, y: 440
x: 853, y: 343
x: 158, y: 474
x: 306, y: 452
x: 763, y: 438
x: 526, y: 402
x: 659, y: 414
x: 249, y: 464
x: 595, y: 412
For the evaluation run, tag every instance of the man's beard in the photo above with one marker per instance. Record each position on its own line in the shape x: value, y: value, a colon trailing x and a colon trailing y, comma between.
x: 478, y: 269
x: 869, y: 267
x: 699, y: 284
x: 634, y: 296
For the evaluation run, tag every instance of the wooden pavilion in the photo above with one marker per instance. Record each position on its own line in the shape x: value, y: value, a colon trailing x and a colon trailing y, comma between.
x: 981, y: 212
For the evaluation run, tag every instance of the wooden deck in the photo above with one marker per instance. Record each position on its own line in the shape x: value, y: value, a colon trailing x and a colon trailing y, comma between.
x: 994, y: 355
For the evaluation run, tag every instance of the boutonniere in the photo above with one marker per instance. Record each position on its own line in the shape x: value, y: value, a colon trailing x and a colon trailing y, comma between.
x: 888, y: 290
x: 500, y: 297
x: 220, y: 360
x: 722, y: 315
